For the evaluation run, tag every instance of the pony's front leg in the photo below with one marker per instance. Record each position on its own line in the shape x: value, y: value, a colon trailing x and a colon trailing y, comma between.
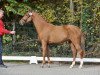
x: 48, y: 56
x: 44, y: 51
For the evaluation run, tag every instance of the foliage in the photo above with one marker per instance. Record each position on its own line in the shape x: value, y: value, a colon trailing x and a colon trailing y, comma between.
x: 16, y: 8
x: 84, y: 13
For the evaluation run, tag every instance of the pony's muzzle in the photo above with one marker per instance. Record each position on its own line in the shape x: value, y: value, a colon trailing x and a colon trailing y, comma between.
x: 21, y: 22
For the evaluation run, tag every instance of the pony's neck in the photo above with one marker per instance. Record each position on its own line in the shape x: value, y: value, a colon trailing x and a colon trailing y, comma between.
x: 39, y: 22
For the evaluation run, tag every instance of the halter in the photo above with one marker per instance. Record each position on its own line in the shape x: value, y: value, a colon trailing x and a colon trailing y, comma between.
x: 29, y: 14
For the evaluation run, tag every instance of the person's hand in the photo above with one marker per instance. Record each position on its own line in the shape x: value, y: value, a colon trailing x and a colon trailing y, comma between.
x: 12, y: 32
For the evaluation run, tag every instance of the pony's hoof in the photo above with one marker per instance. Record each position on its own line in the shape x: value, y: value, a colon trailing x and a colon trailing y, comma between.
x: 71, y: 66
x: 80, y: 67
x: 42, y: 66
x: 48, y: 65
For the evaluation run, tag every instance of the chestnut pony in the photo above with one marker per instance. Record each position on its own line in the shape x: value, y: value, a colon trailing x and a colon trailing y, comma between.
x: 49, y: 33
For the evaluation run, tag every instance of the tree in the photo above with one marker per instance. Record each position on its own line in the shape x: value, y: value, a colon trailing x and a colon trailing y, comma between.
x: 82, y: 13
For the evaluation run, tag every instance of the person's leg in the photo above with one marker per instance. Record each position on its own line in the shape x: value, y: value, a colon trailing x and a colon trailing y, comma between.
x: 1, y: 62
x: 1, y: 49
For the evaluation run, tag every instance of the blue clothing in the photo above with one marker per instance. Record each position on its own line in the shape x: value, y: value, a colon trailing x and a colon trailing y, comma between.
x: 1, y: 49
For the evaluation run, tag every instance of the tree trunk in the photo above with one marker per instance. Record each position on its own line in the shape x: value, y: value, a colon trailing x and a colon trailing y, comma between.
x: 72, y: 11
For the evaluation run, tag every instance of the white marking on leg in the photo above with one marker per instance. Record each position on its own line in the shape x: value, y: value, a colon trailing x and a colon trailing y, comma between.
x: 81, y: 63
x: 73, y: 63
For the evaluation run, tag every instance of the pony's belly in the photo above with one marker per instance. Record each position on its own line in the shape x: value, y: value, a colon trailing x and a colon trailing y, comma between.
x: 57, y: 40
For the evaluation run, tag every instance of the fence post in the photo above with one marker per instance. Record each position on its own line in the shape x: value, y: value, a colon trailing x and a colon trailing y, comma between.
x: 33, y: 59
x: 13, y: 36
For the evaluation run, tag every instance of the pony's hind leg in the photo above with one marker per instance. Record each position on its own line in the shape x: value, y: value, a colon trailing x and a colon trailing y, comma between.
x: 74, y: 55
x: 81, y: 54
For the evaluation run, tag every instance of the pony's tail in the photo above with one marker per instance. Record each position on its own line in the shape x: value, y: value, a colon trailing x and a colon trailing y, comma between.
x: 83, y: 44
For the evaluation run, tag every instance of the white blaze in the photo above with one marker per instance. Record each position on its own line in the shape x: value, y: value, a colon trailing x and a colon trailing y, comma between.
x: 30, y: 13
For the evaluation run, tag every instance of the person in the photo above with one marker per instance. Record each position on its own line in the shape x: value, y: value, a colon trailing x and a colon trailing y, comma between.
x: 2, y: 32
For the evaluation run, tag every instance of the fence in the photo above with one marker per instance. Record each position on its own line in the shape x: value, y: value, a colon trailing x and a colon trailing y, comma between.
x: 34, y: 59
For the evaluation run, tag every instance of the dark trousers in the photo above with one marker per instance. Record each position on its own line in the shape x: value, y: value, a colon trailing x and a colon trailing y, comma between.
x: 1, y: 50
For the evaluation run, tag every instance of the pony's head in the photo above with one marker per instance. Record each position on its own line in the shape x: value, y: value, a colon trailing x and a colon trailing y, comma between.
x: 26, y: 18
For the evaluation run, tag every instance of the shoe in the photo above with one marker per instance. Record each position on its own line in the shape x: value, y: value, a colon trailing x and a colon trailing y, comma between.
x: 3, y: 66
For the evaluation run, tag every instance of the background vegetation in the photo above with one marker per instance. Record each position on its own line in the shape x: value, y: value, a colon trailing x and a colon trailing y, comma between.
x: 82, y: 13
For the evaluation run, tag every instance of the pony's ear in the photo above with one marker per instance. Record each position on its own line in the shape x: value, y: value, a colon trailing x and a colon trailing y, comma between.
x: 30, y: 10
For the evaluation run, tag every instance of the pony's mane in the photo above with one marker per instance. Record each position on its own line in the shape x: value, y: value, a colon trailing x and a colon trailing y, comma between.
x: 39, y: 16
